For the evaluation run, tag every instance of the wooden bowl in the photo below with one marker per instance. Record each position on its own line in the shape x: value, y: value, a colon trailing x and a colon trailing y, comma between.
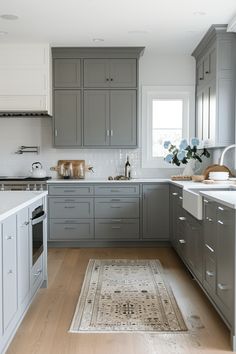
x: 198, y: 178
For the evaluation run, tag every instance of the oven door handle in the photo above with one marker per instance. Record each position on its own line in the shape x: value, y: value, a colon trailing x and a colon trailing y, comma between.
x: 38, y: 220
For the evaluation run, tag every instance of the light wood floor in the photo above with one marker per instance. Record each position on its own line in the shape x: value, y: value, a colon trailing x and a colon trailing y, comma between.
x: 44, y: 329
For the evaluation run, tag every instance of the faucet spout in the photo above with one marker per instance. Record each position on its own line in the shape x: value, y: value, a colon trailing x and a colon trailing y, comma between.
x: 224, y: 151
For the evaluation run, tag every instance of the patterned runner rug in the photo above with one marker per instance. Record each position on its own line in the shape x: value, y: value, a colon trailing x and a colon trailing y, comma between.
x: 123, y: 295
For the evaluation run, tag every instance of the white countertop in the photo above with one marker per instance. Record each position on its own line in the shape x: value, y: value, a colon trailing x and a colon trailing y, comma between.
x: 103, y: 180
x: 13, y: 201
x: 227, y: 198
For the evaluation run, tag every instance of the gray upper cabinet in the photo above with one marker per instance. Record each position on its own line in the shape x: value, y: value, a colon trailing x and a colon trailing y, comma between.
x: 123, y: 123
x: 100, y: 73
x: 110, y: 118
x: 96, y: 118
x: 156, y: 212
x: 67, y: 118
x: 215, y: 89
x: 67, y: 73
x: 95, y: 92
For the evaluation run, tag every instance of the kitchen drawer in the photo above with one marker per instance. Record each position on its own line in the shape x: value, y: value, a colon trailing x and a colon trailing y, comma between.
x: 210, y: 272
x: 73, y: 190
x: 116, y: 229
x: 71, y: 230
x: 70, y: 208
x: 36, y: 277
x: 117, y: 208
x: 124, y: 190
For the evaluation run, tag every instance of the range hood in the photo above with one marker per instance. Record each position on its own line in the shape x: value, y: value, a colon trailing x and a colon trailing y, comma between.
x: 24, y: 114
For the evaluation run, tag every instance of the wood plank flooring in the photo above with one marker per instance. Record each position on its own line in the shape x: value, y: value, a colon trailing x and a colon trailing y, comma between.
x: 44, y: 329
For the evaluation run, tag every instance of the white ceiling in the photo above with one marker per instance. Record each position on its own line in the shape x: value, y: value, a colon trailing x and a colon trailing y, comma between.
x: 161, y: 25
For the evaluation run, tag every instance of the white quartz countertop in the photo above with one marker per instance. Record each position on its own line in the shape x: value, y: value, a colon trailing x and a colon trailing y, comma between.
x: 227, y: 198
x: 91, y: 181
x: 13, y: 201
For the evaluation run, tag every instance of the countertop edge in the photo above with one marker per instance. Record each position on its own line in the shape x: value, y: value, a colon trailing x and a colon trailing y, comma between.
x: 22, y: 205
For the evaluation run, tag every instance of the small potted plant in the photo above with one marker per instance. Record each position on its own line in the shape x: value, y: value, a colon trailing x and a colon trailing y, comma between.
x: 185, y: 153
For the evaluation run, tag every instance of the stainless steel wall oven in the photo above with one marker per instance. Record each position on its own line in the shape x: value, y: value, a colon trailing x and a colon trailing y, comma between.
x: 38, y: 216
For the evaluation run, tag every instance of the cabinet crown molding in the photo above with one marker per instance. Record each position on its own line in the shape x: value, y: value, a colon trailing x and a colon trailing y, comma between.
x: 97, y: 52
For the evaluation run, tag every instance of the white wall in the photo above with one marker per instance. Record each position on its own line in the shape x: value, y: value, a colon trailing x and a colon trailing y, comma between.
x: 155, y: 70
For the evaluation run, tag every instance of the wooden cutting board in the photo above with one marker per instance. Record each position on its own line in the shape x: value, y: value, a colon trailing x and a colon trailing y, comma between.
x: 216, y: 168
x: 76, y: 167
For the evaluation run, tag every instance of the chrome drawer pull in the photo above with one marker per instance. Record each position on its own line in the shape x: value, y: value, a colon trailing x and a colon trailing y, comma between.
x: 69, y: 191
x: 10, y: 271
x: 182, y: 241
x: 115, y: 206
x: 181, y: 198
x: 26, y: 223
x: 174, y: 193
x: 210, y: 249
x: 115, y: 200
x: 210, y: 274
x: 116, y: 220
x: 205, y: 201
x: 223, y: 287
x: 69, y: 207
x: 116, y: 227
x: 38, y: 272
x: 220, y: 208
x: 220, y: 222
x: 182, y: 218
x: 69, y: 228
x: 114, y: 190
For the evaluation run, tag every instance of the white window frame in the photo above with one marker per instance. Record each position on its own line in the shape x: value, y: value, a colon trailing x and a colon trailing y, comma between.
x: 149, y: 93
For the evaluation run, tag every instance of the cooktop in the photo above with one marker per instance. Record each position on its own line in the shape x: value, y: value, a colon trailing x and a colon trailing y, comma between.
x: 22, y: 178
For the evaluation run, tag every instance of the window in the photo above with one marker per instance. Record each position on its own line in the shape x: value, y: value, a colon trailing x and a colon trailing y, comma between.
x: 167, y: 114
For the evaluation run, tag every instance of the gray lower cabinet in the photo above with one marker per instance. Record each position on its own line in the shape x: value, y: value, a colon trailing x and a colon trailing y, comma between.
x: 175, y: 200
x: 67, y: 73
x: 111, y: 73
x: 9, y: 248
x: 219, y: 256
x: 71, y: 212
x: 67, y: 118
x: 225, y: 243
x: 156, y: 211
x: 110, y: 118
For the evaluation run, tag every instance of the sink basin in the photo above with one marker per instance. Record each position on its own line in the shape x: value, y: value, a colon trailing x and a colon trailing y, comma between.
x: 193, y: 201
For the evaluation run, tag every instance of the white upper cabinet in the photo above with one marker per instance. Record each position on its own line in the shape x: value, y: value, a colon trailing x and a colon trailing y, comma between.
x: 25, y: 71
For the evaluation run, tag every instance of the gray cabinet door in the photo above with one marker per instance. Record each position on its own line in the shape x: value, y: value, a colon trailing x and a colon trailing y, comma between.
x: 123, y: 73
x: 67, y: 118
x: 123, y: 118
x: 156, y: 212
x: 225, y: 259
x: 23, y: 246
x: 67, y: 73
x: 96, y: 73
x: 96, y: 118
x: 9, y: 270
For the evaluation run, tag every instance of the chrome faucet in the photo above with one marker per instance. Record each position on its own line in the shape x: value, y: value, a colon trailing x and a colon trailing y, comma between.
x: 224, y: 151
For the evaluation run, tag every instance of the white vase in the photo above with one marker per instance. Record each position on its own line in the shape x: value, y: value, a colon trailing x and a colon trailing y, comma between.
x: 189, y: 168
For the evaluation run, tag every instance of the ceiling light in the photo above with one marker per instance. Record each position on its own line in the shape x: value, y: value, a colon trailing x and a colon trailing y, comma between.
x: 3, y: 33
x: 9, y: 17
x: 98, y: 40
x: 199, y: 13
